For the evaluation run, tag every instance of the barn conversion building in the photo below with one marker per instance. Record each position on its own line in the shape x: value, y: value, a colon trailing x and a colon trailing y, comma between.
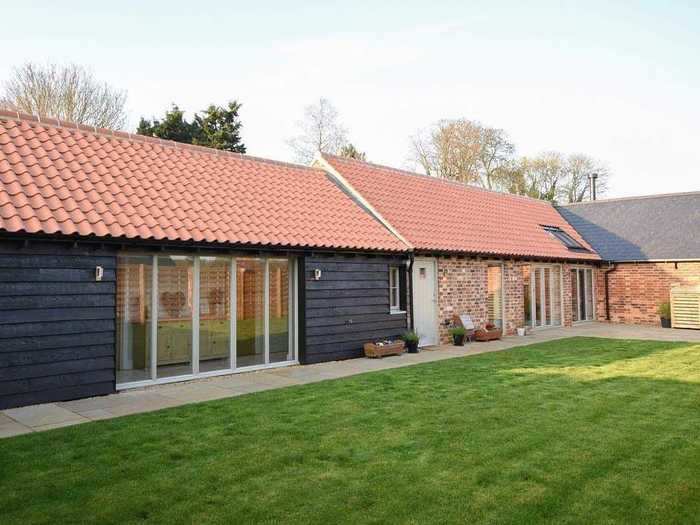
x: 128, y: 261
x: 505, y: 259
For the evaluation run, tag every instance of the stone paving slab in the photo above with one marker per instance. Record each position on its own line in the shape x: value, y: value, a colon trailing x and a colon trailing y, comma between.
x: 194, y: 392
x: 42, y: 415
x: 61, y: 425
x: 9, y: 427
x: 149, y: 404
x: 253, y: 382
x: 96, y: 415
x: 18, y: 421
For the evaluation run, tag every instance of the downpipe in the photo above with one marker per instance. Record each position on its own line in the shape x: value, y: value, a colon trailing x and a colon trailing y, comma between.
x: 409, y: 280
x: 611, y: 268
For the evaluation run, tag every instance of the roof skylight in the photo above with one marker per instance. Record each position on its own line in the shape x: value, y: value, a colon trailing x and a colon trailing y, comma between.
x: 566, y: 239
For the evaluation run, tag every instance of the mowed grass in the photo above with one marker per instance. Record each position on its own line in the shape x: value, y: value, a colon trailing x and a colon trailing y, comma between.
x: 572, y: 431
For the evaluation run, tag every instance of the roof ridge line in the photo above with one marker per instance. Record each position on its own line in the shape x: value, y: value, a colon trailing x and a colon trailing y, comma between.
x: 637, y: 197
x: 137, y: 138
x: 439, y: 179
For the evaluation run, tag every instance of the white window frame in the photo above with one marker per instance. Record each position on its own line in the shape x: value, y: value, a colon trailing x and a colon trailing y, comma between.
x: 233, y: 368
x: 395, y: 291
x: 544, y: 300
x: 583, y: 268
x: 502, y: 266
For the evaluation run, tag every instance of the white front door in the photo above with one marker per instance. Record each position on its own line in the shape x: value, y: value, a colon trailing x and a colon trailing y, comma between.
x: 425, y: 300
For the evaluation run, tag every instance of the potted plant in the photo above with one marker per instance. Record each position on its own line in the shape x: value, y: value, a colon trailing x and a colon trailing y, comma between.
x: 458, y: 333
x: 490, y: 332
x: 664, y: 311
x: 411, y: 339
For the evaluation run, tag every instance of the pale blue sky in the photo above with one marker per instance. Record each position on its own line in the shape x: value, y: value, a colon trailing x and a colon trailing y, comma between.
x: 616, y: 80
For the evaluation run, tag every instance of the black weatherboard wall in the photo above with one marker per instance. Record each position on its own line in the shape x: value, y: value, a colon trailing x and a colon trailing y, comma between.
x: 57, y: 323
x: 348, y: 306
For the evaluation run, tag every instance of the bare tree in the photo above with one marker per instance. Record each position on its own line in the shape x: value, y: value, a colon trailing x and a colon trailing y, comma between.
x: 449, y: 150
x: 68, y: 93
x: 576, y: 184
x: 351, y: 152
x: 541, y: 176
x: 465, y: 151
x: 495, y: 156
x: 552, y: 176
x: 319, y: 130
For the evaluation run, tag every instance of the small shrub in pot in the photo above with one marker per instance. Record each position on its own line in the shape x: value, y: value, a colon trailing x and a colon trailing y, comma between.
x: 411, y: 339
x: 458, y: 333
x: 664, y: 311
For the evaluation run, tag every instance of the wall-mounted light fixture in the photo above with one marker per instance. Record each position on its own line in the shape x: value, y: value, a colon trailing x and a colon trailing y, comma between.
x: 317, y: 274
x: 99, y: 273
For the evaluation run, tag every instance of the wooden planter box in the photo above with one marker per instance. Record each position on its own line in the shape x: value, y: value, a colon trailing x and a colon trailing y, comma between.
x: 396, y: 348
x: 488, y: 335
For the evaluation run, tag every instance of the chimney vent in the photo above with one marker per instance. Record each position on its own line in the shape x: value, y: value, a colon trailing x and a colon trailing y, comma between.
x: 591, y: 182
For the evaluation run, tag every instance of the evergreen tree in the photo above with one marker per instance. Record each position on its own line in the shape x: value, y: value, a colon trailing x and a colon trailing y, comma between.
x: 219, y: 127
x: 216, y: 127
x: 172, y: 127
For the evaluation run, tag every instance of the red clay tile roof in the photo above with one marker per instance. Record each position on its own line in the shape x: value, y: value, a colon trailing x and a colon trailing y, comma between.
x: 445, y: 216
x: 68, y: 179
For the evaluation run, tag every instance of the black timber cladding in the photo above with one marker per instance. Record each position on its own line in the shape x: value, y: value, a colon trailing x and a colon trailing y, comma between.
x: 348, y: 306
x: 57, y: 323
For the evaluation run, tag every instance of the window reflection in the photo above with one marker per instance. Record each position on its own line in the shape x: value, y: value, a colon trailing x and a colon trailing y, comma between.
x: 214, y: 313
x: 134, y: 278
x: 261, y: 308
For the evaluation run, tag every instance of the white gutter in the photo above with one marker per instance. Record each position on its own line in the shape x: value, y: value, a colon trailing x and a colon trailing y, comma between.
x: 623, y: 261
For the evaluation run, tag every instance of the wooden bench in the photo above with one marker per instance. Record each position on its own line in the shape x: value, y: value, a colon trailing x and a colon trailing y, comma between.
x: 466, y: 322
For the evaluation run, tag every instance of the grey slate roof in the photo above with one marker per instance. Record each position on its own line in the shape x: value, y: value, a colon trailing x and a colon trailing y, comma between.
x: 657, y: 227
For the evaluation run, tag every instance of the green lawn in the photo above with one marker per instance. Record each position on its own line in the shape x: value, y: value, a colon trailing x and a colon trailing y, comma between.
x: 572, y: 431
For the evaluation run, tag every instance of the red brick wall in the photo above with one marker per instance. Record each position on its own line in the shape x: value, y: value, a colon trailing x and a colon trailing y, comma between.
x: 514, y: 295
x: 636, y: 289
x: 566, y: 283
x: 463, y: 284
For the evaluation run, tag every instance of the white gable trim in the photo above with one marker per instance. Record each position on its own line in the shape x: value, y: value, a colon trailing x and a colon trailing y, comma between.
x: 320, y: 162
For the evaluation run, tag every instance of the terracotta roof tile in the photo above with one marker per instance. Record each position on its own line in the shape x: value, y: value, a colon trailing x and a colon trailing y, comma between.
x: 444, y: 216
x: 73, y: 179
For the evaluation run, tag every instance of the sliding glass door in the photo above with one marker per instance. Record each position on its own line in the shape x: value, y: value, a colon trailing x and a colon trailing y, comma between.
x: 181, y: 316
x: 214, y: 313
x: 174, y: 328
x: 545, y: 296
x: 250, y: 317
x: 495, y: 301
x: 280, y: 344
x: 582, y: 307
x: 134, y: 320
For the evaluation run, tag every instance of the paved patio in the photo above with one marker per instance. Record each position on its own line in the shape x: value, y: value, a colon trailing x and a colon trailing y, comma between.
x: 54, y: 415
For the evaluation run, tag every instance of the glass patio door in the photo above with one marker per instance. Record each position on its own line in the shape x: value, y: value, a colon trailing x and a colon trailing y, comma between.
x: 214, y: 313
x: 545, y: 296
x: 175, y: 308
x: 582, y: 308
x: 494, y: 288
x: 184, y: 316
